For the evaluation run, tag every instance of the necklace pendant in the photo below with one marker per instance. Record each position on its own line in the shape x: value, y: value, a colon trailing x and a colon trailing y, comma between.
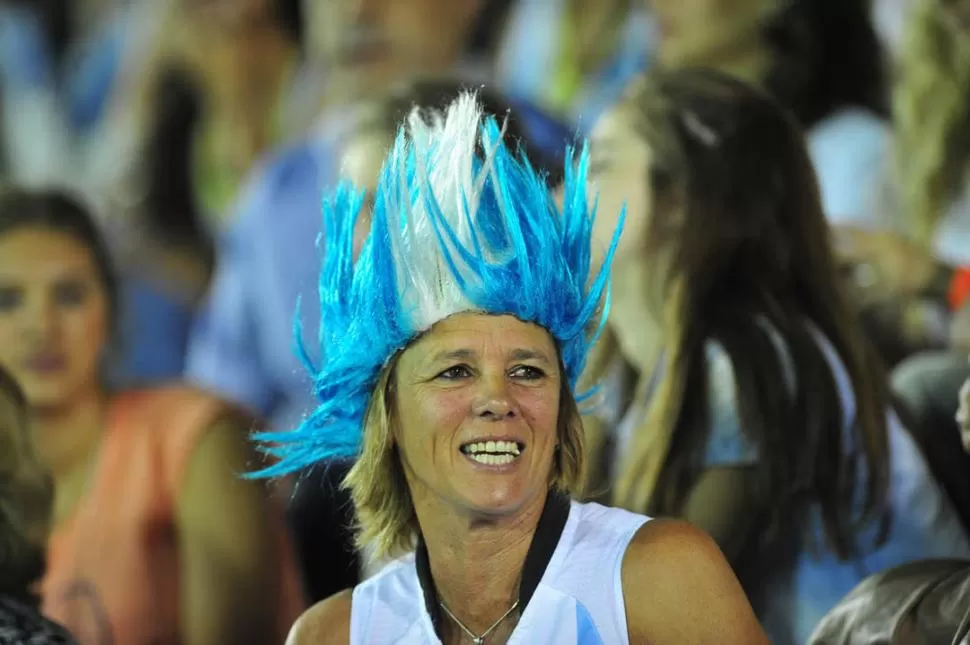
x: 479, y: 640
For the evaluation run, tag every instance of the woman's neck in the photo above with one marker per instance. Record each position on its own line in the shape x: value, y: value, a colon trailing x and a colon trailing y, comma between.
x: 67, y: 436
x: 477, y: 563
x: 633, y: 323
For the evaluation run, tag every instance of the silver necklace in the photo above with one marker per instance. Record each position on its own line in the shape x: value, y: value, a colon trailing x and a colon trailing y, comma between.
x: 479, y: 640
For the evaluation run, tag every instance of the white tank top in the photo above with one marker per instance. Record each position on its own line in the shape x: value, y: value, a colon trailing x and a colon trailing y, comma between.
x: 571, y: 587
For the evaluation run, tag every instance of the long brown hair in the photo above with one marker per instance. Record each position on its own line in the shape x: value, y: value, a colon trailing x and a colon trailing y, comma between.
x: 738, y: 217
x: 26, y: 498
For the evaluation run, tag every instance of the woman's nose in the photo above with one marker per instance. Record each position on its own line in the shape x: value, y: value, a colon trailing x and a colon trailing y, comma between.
x: 493, y: 401
x: 39, y: 318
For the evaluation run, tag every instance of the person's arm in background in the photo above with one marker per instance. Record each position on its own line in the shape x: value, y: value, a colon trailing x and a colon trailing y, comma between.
x: 904, y: 283
x: 726, y: 501
x: 223, y: 355
x: 229, y: 555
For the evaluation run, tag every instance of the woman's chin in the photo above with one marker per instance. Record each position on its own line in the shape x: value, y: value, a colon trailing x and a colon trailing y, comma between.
x: 497, y: 501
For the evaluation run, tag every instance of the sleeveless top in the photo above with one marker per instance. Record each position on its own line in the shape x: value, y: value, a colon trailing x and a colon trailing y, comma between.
x: 571, y: 591
x: 112, y: 566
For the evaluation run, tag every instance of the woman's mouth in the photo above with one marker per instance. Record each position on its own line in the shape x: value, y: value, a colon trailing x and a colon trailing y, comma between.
x: 46, y: 363
x: 493, y: 453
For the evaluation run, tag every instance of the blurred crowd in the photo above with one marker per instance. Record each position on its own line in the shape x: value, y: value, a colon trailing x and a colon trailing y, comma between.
x: 162, y: 165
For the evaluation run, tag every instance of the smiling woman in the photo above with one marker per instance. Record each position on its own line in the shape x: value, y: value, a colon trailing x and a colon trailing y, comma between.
x: 452, y: 346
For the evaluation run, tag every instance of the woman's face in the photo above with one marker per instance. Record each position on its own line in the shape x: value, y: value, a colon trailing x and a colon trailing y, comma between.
x: 695, y: 32
x: 53, y: 315
x: 24, y: 481
x: 477, y: 412
x: 618, y: 175
x: 361, y: 163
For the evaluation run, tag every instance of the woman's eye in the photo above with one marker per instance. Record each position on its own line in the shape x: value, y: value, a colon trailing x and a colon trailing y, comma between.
x: 528, y: 373
x: 10, y: 298
x: 455, y: 373
x: 71, y: 293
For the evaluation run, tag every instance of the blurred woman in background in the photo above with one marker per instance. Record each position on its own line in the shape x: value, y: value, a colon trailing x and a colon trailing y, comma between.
x: 26, y: 497
x: 761, y: 415
x: 820, y: 59
x: 155, y: 537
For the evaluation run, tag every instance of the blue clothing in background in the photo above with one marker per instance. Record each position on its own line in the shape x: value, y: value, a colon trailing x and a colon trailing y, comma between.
x: 850, y: 151
x: 792, y: 600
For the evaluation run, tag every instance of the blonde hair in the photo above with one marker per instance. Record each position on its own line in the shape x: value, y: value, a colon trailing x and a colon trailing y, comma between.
x: 386, y: 520
x: 932, y: 117
x: 638, y: 479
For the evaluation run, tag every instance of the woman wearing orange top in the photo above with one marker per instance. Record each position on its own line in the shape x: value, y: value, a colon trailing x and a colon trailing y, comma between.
x: 156, y: 539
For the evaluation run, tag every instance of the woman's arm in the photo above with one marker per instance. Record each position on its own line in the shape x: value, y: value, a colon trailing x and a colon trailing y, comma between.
x: 679, y: 590
x: 228, y: 551
x: 726, y: 500
x: 726, y: 503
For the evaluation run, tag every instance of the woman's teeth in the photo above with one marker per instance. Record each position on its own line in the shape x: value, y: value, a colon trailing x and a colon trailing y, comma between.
x: 493, y: 453
x: 493, y: 460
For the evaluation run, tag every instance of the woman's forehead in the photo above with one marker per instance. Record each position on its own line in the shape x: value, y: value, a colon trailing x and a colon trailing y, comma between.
x: 474, y: 333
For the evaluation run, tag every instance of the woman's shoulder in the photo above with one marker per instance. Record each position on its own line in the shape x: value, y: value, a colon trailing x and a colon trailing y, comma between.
x: 171, y: 421
x: 325, y: 623
x: 679, y: 588
x: 170, y: 411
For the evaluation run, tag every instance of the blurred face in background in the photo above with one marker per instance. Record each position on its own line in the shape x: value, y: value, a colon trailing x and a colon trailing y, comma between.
x: 618, y: 174
x: 699, y: 32
x: 54, y: 316
x: 365, y: 44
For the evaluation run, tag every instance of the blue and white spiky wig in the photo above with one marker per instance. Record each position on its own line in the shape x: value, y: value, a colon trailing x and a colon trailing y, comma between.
x: 460, y: 224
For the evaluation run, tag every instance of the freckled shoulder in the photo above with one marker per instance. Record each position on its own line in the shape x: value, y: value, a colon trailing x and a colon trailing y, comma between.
x: 325, y: 623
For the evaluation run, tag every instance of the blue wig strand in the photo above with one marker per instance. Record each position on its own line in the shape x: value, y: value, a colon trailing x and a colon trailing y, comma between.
x: 452, y: 231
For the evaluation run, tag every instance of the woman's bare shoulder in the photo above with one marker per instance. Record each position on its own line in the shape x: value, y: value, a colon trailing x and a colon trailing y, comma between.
x: 325, y: 623
x: 679, y: 588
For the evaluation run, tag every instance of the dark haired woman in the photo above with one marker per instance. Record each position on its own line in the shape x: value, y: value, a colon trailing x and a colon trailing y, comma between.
x: 155, y: 537
x: 762, y: 415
